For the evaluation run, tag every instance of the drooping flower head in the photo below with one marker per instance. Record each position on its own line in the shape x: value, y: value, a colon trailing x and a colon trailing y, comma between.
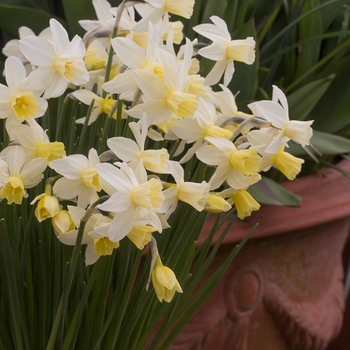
x: 223, y: 50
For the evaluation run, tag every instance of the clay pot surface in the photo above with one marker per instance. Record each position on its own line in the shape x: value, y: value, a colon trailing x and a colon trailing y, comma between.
x: 284, y: 290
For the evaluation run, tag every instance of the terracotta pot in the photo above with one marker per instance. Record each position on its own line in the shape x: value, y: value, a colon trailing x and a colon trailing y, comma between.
x: 284, y: 290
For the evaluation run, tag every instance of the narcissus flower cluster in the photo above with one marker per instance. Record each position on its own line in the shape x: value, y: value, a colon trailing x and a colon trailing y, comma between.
x: 172, y: 116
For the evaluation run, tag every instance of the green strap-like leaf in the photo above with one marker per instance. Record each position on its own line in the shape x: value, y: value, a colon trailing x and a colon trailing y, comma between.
x: 13, y: 17
x: 76, y: 10
x: 302, y: 101
x: 268, y: 191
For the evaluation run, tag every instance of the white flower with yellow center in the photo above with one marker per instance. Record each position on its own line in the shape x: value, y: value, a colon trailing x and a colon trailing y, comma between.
x: 277, y: 114
x: 97, y: 243
x: 203, y: 124
x: 128, y: 22
x: 131, y: 193
x: 59, y: 63
x: 192, y: 193
x: 164, y: 97
x: 19, y: 100
x: 11, y: 48
x: 289, y: 165
x: 101, y: 105
x: 244, y: 202
x: 96, y: 59
x: 134, y: 57
x: 238, y: 167
x: 132, y: 152
x: 16, y: 175
x: 80, y: 178
x: 183, y: 8
x: 35, y: 142
x: 223, y: 50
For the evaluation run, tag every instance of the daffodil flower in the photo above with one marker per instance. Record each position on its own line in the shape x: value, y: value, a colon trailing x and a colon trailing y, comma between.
x: 192, y: 193
x: 244, y: 202
x: 226, y: 101
x: 80, y: 177
x: 164, y: 282
x: 47, y: 207
x: 97, y: 243
x: 183, y: 8
x: 277, y: 114
x: 238, y: 167
x: 128, y: 22
x: 223, y: 50
x: 163, y: 278
x: 164, y: 97
x: 202, y: 125
x: 216, y: 204
x: 62, y: 222
x: 101, y: 105
x: 35, y: 141
x: 131, y: 193
x: 96, y: 59
x: 19, y: 175
x: 135, y: 58
x: 132, y: 152
x: 19, y: 100
x: 11, y: 48
x: 59, y: 63
x: 288, y: 164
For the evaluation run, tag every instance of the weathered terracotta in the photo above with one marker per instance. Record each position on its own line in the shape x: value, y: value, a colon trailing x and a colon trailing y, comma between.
x: 284, y: 290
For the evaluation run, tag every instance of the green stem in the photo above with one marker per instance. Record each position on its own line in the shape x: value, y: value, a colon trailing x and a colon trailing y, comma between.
x: 120, y: 10
x: 70, y: 274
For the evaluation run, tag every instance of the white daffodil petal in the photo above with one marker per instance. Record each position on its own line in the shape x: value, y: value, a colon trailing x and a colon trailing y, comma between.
x: 278, y: 95
x: 223, y: 145
x: 93, y: 157
x: 86, y: 96
x: 188, y: 129
x: 121, y: 225
x: 32, y: 172
x: 151, y: 85
x: 37, y: 50
x: 76, y: 213
x: 70, y: 167
x: 271, y: 111
x: 15, y: 159
x: 59, y: 36
x: 129, y: 52
x: 221, y: 24
x: 14, y: 72
x: 125, y: 149
x: 219, y: 176
x: 230, y: 68
x: 216, y: 73
x: 211, y: 155
x: 75, y: 47
x: 216, y: 51
x: 113, y: 176
x: 157, y: 112
x: 209, y: 31
x: 57, y: 84
x: 67, y: 189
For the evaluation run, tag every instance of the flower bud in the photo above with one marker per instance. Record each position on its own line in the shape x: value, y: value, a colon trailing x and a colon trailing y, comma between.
x: 216, y: 204
x: 47, y: 207
x: 164, y: 282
